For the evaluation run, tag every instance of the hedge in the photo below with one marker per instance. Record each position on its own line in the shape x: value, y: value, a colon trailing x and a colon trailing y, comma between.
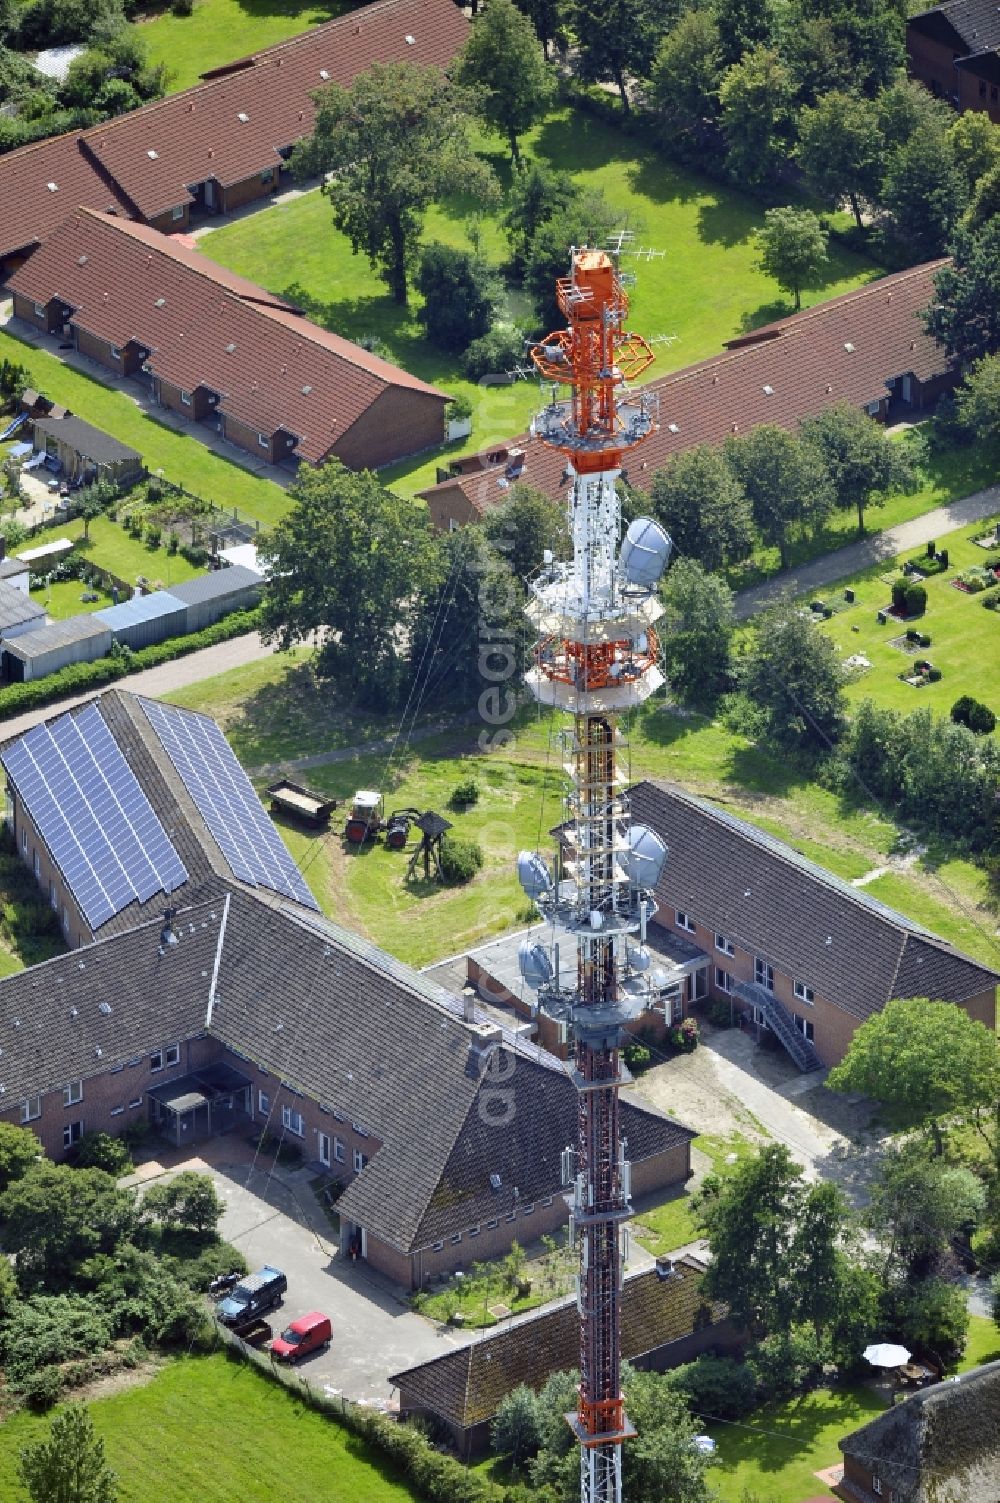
x: 80, y: 678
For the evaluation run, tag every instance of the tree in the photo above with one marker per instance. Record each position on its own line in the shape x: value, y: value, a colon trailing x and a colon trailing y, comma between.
x: 118, y: 60
x: 783, y: 480
x: 933, y: 1317
x: 514, y: 1433
x: 865, y: 37
x: 588, y: 220
x: 662, y: 1465
x: 925, y: 192
x: 864, y: 465
x: 546, y: 17
x: 924, y: 1061
x: 187, y: 1200
x: 349, y: 560
x: 524, y: 526
x: 461, y: 293
x: 616, y: 39
x: 792, y: 248
x: 54, y: 1216
x: 387, y: 147
x: 698, y: 632
x: 698, y: 499
x: 742, y: 26
x: 977, y: 401
x: 919, y: 1205
x: 964, y: 315
x: 840, y: 150
x: 793, y: 674
x: 755, y: 97
x: 69, y: 1466
x: 975, y: 142
x: 906, y: 106
x: 687, y: 71
x: 19, y: 1150
x: 504, y: 68
x: 88, y: 506
x: 536, y: 194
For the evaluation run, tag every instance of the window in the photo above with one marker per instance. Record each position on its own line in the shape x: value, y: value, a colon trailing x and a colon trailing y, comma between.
x: 684, y: 920
x: 491, y: 1226
x: 804, y: 993
x: 72, y: 1133
x: 31, y: 1109
x: 877, y: 1486
x: 339, y: 1151
x: 136, y: 1101
x: 53, y: 896
x: 723, y: 980
x: 724, y: 945
x: 115, y: 1068
x: 323, y: 1148
x: 156, y: 1060
x: 263, y: 1103
x: 177, y: 213
x: 36, y: 865
x: 528, y: 1210
x: 24, y: 840
x: 763, y: 974
x: 546, y: 1200
x: 116, y: 353
x: 267, y: 176
x: 263, y: 440
x: 116, y: 1111
x: 359, y: 1161
x: 186, y: 398
x: 73, y: 1093
x: 292, y: 1120
x: 39, y: 310
x: 473, y: 1231
x: 805, y: 1027
x: 172, y: 1055
x: 436, y: 1246
x: 65, y: 921
x: 455, y: 1237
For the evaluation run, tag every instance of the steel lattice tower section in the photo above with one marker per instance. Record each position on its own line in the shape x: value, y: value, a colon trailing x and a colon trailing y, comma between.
x: 596, y: 656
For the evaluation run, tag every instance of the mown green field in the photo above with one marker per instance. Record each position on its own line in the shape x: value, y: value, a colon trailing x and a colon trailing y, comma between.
x: 704, y: 288
x: 218, y: 31
x: 205, y: 1430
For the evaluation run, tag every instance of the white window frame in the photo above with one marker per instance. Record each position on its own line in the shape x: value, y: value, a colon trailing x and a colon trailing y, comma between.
x: 724, y: 945
x: 36, y: 865
x: 324, y: 1157
x: 31, y: 1109
x: 39, y: 310
x: 263, y: 441
x: 292, y: 1121
x: 186, y: 398
x: 24, y: 840
x: 177, y: 212
x: 73, y: 1093
x: 267, y: 175
x: 804, y: 993
x: 116, y: 1111
x: 684, y: 920
x: 763, y: 973
x: 876, y: 1485
x: 155, y: 1061
x: 724, y: 981
x: 263, y: 1103
x: 359, y: 1161
x: 339, y: 1150
x: 805, y: 1027
x: 116, y: 353
x: 171, y: 1055
x: 72, y: 1133
x: 136, y: 1101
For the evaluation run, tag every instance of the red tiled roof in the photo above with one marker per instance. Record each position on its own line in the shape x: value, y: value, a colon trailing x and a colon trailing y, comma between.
x: 231, y: 127
x: 206, y: 326
x: 844, y: 349
x: 199, y: 134
x: 42, y: 183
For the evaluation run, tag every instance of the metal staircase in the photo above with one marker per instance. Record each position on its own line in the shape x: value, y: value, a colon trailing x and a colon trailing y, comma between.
x: 781, y: 1023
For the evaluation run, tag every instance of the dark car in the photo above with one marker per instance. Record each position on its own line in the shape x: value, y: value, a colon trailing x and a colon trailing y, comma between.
x: 253, y: 1296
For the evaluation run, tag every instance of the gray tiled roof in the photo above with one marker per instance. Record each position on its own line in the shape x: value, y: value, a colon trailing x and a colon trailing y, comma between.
x: 218, y: 582
x: 851, y: 949
x: 976, y: 22
x: 43, y: 639
x: 941, y: 1446
x: 16, y: 607
x: 88, y: 441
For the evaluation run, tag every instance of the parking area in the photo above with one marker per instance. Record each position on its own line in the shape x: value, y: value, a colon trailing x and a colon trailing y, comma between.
x: 273, y: 1217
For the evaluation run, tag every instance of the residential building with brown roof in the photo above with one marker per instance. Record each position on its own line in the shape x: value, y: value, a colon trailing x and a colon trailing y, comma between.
x: 868, y: 347
x: 221, y: 144
x: 220, y: 350
x: 954, y: 49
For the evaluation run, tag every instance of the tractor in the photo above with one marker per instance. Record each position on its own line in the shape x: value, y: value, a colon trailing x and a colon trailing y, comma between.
x: 366, y: 821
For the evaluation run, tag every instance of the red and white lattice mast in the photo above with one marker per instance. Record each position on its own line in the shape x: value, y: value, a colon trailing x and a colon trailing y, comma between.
x: 597, y: 656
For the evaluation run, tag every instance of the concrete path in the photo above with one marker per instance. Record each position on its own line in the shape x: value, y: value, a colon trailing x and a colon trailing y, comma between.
x: 191, y: 669
x: 841, y: 564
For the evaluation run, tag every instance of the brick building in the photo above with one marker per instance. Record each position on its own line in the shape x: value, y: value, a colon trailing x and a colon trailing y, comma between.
x: 221, y: 144
x: 220, y: 350
x: 206, y: 993
x: 795, y: 949
x: 955, y: 50
x: 868, y: 347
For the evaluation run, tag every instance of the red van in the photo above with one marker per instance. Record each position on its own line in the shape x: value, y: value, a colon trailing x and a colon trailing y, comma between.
x: 305, y: 1335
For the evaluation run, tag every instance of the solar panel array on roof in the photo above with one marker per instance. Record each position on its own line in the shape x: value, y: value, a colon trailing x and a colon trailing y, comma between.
x: 225, y: 798
x: 92, y: 814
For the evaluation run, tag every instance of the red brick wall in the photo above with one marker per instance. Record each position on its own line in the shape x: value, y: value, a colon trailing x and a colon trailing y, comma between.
x: 30, y: 846
x: 170, y: 396
x: 25, y: 308
x: 451, y: 506
x: 857, y: 1483
x: 246, y: 438
x: 976, y: 93
x: 932, y: 63
x: 398, y: 423
x: 246, y: 192
x: 168, y: 225
x: 99, y: 350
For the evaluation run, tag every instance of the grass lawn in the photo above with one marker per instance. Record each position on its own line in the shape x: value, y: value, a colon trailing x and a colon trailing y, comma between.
x: 704, y: 289
x: 111, y: 547
x: 62, y: 599
x: 182, y: 459
x: 662, y: 1228
x: 219, y: 31
x: 228, y: 1433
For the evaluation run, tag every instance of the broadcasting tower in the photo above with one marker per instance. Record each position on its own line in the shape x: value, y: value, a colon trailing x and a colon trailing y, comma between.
x: 596, y: 656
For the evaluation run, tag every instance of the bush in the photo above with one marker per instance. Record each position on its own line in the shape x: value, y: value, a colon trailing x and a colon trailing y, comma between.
x: 637, y: 1056
x: 40, y: 1390
x: 461, y: 293
x: 933, y: 1317
x: 188, y: 1200
x: 52, y: 1328
x: 716, y: 1386
x: 181, y: 7
x: 974, y: 714
x: 915, y: 598
x: 494, y: 354
x: 99, y: 1150
x: 899, y: 588
x: 685, y: 1036
x: 460, y: 859
x: 465, y: 794
x: 785, y: 1364
x: 515, y: 1432
x: 719, y: 1013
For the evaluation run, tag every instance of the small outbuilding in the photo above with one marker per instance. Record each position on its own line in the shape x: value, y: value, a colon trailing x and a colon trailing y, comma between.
x: 15, y: 572
x: 145, y: 619
x: 39, y: 560
x: 208, y: 597
x: 18, y: 612
x: 80, y: 639
x: 86, y: 453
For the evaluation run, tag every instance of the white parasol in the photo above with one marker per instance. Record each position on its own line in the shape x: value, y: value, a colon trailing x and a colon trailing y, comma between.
x: 885, y: 1354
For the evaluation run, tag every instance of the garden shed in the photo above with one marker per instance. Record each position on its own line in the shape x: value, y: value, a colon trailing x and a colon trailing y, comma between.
x: 86, y: 453
x: 211, y: 596
x: 80, y: 639
x: 18, y: 612
x: 145, y: 619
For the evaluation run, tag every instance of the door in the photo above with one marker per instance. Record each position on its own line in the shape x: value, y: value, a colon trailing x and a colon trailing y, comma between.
x: 324, y: 1149
x: 210, y: 193
x: 364, y: 1243
x: 907, y: 388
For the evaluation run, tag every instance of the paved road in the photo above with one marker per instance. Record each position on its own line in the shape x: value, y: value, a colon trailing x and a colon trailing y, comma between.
x: 870, y: 550
x: 189, y: 669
